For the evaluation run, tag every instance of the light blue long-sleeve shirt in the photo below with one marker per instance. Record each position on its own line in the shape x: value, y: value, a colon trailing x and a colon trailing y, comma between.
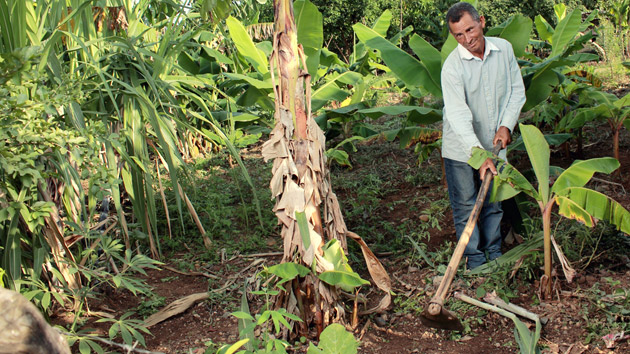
x: 479, y: 97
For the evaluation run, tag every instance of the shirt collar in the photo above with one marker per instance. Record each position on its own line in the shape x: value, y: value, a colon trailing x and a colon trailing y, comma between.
x: 467, y: 55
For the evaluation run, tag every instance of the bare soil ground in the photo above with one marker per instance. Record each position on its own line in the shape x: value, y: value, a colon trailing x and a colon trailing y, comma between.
x: 399, y: 330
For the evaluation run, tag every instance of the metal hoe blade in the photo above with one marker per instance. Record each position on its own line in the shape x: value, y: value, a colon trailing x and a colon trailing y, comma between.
x: 444, y: 320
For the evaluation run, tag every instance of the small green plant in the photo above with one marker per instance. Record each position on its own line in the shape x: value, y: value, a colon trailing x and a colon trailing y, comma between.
x: 150, y: 304
x: 130, y: 330
x: 42, y: 295
x: 568, y: 191
x: 268, y: 342
x: 413, y: 304
x: 334, y: 339
x: 97, y: 275
x: 607, y: 310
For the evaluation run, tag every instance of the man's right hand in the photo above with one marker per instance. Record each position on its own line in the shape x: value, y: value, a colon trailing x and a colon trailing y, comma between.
x: 487, y: 167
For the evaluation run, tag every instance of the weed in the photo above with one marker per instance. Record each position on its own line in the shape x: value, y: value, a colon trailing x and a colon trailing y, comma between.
x: 607, y: 311
x: 225, y: 206
x: 425, y: 174
x: 413, y: 304
x: 149, y: 305
x: 169, y: 279
x: 467, y: 321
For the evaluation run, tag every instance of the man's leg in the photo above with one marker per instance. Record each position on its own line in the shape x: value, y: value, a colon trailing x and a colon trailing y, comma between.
x: 462, y: 192
x: 490, y: 224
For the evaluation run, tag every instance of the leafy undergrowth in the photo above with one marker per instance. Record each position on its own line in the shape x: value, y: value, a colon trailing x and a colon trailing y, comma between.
x: 401, y: 210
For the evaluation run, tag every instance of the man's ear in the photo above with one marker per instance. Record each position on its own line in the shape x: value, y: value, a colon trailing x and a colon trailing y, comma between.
x: 483, y: 21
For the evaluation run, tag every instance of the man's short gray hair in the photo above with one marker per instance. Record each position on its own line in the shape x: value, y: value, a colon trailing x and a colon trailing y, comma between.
x: 458, y: 10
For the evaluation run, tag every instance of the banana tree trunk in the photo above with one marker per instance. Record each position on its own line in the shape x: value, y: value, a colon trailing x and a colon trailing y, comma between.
x: 299, y: 174
x: 301, y: 184
x: 546, y: 283
x: 616, y: 125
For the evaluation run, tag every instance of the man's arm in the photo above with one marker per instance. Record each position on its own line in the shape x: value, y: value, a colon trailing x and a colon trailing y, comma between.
x: 516, y: 97
x: 456, y: 109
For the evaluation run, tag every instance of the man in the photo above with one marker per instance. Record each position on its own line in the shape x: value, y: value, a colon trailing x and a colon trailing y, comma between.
x: 483, y: 96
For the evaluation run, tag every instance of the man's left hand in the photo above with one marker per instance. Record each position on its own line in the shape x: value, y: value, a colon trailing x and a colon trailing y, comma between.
x: 504, y: 135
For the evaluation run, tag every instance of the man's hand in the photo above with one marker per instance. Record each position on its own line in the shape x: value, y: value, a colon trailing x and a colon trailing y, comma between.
x: 485, y: 166
x: 504, y: 135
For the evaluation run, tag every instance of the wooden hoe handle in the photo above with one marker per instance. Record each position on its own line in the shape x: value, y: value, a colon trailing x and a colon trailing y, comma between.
x: 435, y: 305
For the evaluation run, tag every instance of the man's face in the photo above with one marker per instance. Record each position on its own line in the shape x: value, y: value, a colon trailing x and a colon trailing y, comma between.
x: 469, y: 33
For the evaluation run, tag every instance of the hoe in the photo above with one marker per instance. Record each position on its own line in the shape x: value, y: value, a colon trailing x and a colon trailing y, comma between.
x: 434, y: 314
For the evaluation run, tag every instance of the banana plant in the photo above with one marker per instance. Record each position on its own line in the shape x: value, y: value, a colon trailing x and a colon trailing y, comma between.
x: 568, y: 192
x: 541, y: 77
x: 614, y: 110
x: 620, y: 13
x: 307, y: 208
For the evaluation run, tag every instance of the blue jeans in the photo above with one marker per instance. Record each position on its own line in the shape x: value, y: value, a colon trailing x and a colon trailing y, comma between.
x: 463, y: 186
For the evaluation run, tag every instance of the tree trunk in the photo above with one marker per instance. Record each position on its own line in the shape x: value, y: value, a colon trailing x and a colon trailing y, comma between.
x: 301, y: 184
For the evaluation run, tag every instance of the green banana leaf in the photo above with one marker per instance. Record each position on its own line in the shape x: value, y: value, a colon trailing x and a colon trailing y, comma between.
x: 565, y: 32
x: 622, y: 102
x: 583, y: 57
x: 579, y: 173
x: 344, y: 279
x: 587, y: 206
x: 540, y: 84
x: 218, y: 56
x: 330, y: 90
x: 515, y: 30
x: 288, y: 271
x: 308, y: 21
x: 508, y: 183
x: 382, y: 23
x: 407, y: 68
x: 309, y: 24
x: 552, y: 139
x: 448, y: 47
x: 545, y: 31
x: 422, y: 115
x: 538, y: 152
x: 246, y: 47
x: 430, y: 57
x: 526, y: 248
x: 581, y: 116
x: 259, y: 84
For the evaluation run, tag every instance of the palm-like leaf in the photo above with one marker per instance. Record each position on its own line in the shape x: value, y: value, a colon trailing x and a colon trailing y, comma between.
x: 246, y: 46
x: 409, y: 69
x: 565, y: 32
x: 574, y: 201
x: 538, y: 152
x: 578, y: 174
x: 587, y: 205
